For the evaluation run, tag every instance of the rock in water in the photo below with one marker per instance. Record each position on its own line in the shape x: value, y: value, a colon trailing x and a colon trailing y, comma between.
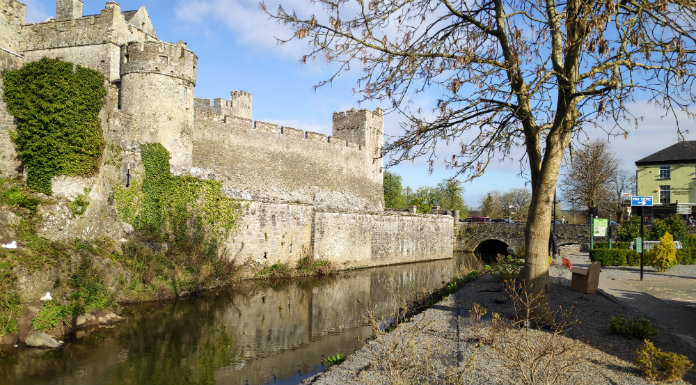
x: 41, y: 340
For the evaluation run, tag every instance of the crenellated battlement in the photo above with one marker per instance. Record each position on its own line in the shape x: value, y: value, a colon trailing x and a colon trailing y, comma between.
x: 210, y: 115
x: 239, y: 105
x: 156, y: 57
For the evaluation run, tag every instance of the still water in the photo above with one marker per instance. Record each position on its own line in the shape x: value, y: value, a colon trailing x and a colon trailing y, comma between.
x: 251, y: 335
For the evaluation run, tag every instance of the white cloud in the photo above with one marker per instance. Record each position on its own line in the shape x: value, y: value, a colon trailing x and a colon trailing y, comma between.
x: 251, y: 26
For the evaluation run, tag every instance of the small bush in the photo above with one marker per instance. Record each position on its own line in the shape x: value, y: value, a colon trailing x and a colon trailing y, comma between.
x: 507, y: 268
x: 686, y: 256
x: 673, y: 224
x: 335, y: 360
x: 79, y: 205
x: 663, y: 255
x: 632, y: 328
x: 629, y: 229
x: 660, y: 365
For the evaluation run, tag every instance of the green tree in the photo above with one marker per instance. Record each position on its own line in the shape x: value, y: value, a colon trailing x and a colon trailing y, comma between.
x: 424, y: 198
x: 663, y: 255
x: 508, y: 73
x: 492, y: 205
x: 450, y: 196
x: 393, y: 196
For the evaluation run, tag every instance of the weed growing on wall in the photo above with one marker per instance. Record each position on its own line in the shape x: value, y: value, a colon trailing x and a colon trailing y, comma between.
x: 56, y: 108
x: 180, y: 209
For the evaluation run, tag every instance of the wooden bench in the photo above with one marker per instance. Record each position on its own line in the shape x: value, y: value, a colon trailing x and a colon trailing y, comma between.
x: 584, y: 280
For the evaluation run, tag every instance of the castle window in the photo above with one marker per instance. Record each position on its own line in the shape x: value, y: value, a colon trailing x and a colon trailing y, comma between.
x: 664, y: 195
x: 118, y: 88
x: 164, y: 59
x: 125, y: 59
x: 664, y: 171
x: 185, y: 94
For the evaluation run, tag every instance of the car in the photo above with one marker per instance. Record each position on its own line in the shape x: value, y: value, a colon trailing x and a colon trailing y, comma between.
x: 502, y: 220
x: 477, y: 219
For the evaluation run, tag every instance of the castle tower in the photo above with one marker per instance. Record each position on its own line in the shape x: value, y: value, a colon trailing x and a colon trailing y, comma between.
x: 240, y: 104
x: 157, y: 81
x: 365, y: 128
x: 12, y: 16
x: 68, y: 9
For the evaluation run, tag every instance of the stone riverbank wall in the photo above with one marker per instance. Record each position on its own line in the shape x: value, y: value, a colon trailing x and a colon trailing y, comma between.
x: 285, y: 232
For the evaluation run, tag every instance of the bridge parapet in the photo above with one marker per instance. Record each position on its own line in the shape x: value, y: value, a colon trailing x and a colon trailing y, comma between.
x: 469, y: 235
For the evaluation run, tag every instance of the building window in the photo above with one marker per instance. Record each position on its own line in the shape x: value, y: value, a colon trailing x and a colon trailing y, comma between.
x: 664, y: 171
x: 664, y: 195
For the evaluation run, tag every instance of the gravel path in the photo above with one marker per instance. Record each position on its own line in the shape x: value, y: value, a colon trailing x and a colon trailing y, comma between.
x: 445, y: 337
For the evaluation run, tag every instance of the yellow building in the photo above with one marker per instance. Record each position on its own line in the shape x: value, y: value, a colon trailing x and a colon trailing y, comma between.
x: 669, y: 175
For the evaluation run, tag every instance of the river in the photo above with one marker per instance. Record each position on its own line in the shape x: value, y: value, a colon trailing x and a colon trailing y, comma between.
x: 255, y: 334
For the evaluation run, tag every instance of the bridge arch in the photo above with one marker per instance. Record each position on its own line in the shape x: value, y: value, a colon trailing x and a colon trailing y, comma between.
x: 489, y: 249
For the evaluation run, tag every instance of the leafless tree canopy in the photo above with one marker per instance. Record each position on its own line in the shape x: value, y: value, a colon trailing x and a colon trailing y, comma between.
x: 591, y: 173
x: 509, y: 72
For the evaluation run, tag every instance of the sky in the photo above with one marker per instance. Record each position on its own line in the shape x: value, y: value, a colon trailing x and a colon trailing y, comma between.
x: 237, y: 50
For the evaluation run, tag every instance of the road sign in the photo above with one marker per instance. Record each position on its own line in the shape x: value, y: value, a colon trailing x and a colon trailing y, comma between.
x: 642, y: 201
x: 628, y: 210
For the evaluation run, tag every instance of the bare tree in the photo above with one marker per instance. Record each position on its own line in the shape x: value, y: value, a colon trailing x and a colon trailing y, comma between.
x: 588, y: 183
x: 519, y: 199
x: 529, y: 73
x: 623, y: 182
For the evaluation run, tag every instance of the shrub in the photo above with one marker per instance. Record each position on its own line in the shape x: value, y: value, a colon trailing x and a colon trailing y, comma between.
x: 690, y: 242
x: 663, y: 255
x: 56, y: 107
x: 632, y: 328
x: 507, y: 268
x: 660, y: 365
x: 628, y: 229
x: 686, y: 256
x: 674, y: 225
x: 614, y: 245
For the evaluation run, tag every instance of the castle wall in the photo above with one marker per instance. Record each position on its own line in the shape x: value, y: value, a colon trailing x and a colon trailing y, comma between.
x: 285, y: 232
x: 12, y: 16
x: 8, y: 156
x: 260, y: 162
x: 363, y: 240
x: 91, y: 41
x: 101, y: 57
x: 271, y: 233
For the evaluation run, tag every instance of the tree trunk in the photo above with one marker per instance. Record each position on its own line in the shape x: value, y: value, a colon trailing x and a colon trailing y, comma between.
x: 535, y: 274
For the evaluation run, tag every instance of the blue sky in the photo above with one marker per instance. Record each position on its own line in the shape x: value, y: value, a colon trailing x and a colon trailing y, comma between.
x: 236, y: 49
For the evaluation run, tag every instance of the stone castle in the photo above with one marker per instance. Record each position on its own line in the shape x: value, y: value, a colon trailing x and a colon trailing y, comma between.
x: 304, y: 191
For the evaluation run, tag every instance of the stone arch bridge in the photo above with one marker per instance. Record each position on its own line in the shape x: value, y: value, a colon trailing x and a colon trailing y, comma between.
x: 506, y: 238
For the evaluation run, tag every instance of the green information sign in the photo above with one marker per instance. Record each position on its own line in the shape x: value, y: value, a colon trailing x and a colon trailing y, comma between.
x: 600, y: 227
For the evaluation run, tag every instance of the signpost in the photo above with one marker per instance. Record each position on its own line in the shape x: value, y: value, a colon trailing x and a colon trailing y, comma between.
x: 640, y: 202
x: 600, y: 227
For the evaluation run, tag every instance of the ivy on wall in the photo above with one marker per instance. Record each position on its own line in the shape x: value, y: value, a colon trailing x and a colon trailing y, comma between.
x: 56, y: 108
x: 178, y: 209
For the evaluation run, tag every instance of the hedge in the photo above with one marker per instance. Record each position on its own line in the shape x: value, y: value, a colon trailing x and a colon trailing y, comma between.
x: 623, y: 257
x: 614, y: 245
x: 615, y: 257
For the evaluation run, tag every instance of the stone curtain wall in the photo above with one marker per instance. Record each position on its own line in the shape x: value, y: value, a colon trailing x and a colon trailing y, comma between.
x: 284, y: 233
x: 468, y: 236
x: 271, y: 233
x: 354, y: 240
x: 259, y: 161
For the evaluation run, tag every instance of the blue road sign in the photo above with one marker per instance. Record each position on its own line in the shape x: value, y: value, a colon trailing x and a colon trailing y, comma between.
x: 641, y: 201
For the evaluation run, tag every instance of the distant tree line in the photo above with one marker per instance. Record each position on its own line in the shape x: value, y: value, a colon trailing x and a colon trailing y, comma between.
x: 448, y: 194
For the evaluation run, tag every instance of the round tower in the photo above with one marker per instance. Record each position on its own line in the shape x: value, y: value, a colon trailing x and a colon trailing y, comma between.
x: 157, y: 81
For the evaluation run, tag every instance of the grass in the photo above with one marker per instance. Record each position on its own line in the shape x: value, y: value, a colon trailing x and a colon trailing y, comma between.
x: 335, y: 359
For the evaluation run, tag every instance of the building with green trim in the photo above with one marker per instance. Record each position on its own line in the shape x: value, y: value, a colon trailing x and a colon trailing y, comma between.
x: 669, y: 176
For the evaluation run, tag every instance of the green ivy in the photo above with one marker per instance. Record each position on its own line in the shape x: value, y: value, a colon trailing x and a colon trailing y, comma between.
x: 179, y: 209
x: 56, y: 107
